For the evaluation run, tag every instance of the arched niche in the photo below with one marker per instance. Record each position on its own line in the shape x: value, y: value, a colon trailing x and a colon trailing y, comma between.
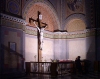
x: 75, y: 25
x: 49, y: 14
x: 75, y: 22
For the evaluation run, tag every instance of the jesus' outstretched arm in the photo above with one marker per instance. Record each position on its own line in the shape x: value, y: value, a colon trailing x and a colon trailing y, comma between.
x: 36, y: 26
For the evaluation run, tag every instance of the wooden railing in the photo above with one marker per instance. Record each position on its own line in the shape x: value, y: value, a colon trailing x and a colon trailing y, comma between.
x: 47, y: 67
x: 59, y: 68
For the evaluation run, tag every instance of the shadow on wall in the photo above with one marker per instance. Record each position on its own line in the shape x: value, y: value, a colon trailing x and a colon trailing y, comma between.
x: 91, y: 51
x: 11, y: 61
x: 98, y: 48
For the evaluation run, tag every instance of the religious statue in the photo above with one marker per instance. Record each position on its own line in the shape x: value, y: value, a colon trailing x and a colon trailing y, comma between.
x: 41, y: 30
x: 41, y: 27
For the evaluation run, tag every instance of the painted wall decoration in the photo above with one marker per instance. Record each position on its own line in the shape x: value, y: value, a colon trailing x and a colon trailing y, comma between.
x: 75, y: 6
x: 14, y: 6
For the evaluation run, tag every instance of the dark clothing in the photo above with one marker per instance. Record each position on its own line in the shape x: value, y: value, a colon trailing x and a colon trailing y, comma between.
x: 78, y: 65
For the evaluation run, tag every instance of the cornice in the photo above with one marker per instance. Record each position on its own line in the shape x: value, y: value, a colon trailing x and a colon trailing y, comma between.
x: 62, y: 35
x: 13, y: 19
x: 72, y: 35
x: 13, y: 22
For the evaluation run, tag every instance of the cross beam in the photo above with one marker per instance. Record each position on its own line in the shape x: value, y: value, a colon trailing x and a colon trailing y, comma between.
x: 40, y: 24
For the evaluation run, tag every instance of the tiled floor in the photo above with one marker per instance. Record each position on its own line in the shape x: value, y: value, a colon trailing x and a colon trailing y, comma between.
x: 91, y: 75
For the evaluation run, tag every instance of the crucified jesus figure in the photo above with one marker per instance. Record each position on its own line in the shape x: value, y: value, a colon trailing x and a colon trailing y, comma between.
x: 41, y: 29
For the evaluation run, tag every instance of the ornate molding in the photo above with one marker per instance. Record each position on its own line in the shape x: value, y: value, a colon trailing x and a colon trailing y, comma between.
x: 9, y: 21
x: 30, y: 30
x: 72, y: 35
x: 13, y: 19
x: 62, y: 35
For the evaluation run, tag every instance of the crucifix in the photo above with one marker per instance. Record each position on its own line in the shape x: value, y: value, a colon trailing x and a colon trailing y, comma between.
x: 41, y: 27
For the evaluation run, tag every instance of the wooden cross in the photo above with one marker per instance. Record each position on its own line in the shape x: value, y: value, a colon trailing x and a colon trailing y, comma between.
x: 40, y: 26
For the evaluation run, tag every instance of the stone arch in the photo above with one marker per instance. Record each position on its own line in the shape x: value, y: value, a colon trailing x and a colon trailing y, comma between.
x: 75, y: 22
x: 49, y: 14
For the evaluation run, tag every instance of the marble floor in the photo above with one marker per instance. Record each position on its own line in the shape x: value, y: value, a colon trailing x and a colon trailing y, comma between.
x: 90, y: 75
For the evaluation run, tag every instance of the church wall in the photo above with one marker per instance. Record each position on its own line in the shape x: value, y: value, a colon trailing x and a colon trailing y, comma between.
x: 11, y: 47
x: 48, y: 50
x: 73, y: 44
x: 71, y: 48
x: 12, y: 55
x: 91, y: 48
x: 60, y: 49
x: 84, y: 47
x: 30, y: 48
x: 31, y: 45
x: 62, y: 45
x: 77, y: 47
